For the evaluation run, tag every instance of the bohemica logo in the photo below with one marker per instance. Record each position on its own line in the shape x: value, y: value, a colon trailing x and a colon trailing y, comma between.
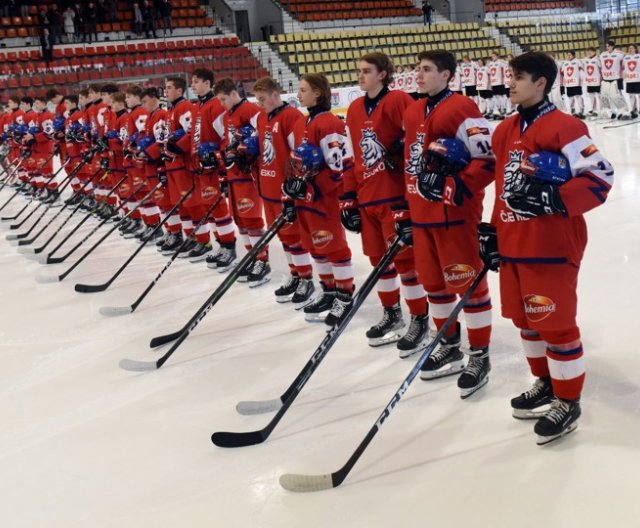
x: 244, y: 205
x: 321, y: 238
x: 538, y: 307
x: 208, y: 192
x: 158, y: 195
x: 459, y: 274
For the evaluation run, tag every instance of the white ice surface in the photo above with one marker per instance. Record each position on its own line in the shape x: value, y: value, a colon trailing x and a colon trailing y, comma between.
x: 86, y: 444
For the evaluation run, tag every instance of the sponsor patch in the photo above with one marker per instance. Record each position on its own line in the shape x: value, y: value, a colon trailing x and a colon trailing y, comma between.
x: 458, y: 274
x: 589, y: 151
x: 208, y: 192
x: 474, y: 131
x: 321, y: 238
x: 538, y: 307
x: 244, y: 205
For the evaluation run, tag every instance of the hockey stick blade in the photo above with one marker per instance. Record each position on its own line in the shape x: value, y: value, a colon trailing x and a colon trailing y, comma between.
x: 163, y: 340
x: 306, y: 483
x: 42, y: 259
x: 11, y: 237
x: 114, y: 311
x: 90, y: 288
x: 137, y: 366
x: 26, y: 250
x: 32, y: 256
x: 226, y: 439
x: 45, y: 279
x: 248, y: 408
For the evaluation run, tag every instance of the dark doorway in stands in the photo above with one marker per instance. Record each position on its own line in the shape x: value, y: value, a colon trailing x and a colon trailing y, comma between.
x: 242, y: 26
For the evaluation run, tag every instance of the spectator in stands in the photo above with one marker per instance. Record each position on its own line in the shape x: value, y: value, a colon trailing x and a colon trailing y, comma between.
x: 112, y: 10
x: 149, y: 19
x: 55, y: 24
x: 427, y: 12
x: 80, y: 23
x: 4, y: 8
x: 46, y: 42
x: 91, y: 22
x: 43, y: 20
x: 164, y: 9
x: 69, y: 28
x: 137, y: 19
x: 24, y: 8
x: 101, y: 12
x: 12, y: 8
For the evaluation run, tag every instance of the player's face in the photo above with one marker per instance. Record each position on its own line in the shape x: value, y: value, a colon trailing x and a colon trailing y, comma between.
x: 106, y: 98
x: 131, y: 100
x: 83, y: 100
x: 429, y: 80
x: 369, y: 78
x: 172, y: 92
x: 268, y: 101
x: 68, y: 106
x: 149, y: 103
x: 632, y: 50
x: 39, y: 106
x: 609, y: 48
x: 199, y: 86
x: 494, y: 57
x: 25, y: 107
x: 524, y: 91
x: 307, y: 95
x: 226, y: 100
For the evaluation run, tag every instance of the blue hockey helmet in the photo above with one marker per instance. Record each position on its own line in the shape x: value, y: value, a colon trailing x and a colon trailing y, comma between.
x: 112, y: 134
x: 34, y: 130
x: 306, y: 160
x: 250, y: 146
x: 20, y: 129
x: 177, y: 135
x: 58, y: 124
x: 245, y: 132
x: 144, y: 142
x: 548, y: 167
x: 208, y: 154
x: 446, y: 156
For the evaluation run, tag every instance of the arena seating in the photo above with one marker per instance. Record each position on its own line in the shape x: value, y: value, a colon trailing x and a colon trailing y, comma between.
x: 626, y: 30
x: 524, y: 5
x: 186, y: 14
x: 554, y: 34
x: 78, y: 64
x: 312, y: 10
x: 334, y: 53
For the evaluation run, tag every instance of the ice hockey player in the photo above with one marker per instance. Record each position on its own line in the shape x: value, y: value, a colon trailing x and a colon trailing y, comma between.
x: 571, y: 74
x: 611, y: 61
x: 276, y: 139
x: 631, y: 63
x: 592, y: 81
x: 548, y: 174
x: 314, y: 187
x: 373, y: 184
x: 246, y: 203
x: 449, y: 162
x: 497, y: 66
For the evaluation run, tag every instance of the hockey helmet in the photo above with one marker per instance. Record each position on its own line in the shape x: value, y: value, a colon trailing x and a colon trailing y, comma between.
x: 446, y: 156
x: 58, y: 124
x: 208, y: 154
x: 306, y: 160
x: 547, y: 167
x: 144, y: 142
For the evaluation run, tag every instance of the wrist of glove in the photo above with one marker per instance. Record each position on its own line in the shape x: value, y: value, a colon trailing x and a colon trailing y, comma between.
x: 536, y: 199
x: 101, y: 145
x: 162, y: 176
x: 402, y: 218
x: 350, y: 212
x: 104, y: 163
x: 87, y: 156
x: 295, y: 188
x: 488, y: 241
x: 289, y: 211
x: 436, y: 187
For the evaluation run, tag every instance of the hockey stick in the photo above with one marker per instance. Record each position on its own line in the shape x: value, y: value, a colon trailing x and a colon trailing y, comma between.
x: 40, y: 203
x: 635, y: 122
x: 69, y: 178
x: 13, y: 170
x: 18, y: 191
x: 50, y: 259
x: 59, y: 278
x: 183, y: 333
x: 93, y: 288
x: 295, y: 482
x: 122, y: 310
x: 229, y: 439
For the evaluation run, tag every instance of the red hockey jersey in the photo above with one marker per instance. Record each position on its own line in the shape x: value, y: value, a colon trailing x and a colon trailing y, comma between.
x: 244, y: 113
x: 452, y: 116
x: 208, y: 126
x: 276, y: 133
x: 370, y: 139
x: 156, y: 127
x: 179, y: 117
x: 551, y: 238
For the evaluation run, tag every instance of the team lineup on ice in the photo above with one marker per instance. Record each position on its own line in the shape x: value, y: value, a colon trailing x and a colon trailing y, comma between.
x: 467, y: 197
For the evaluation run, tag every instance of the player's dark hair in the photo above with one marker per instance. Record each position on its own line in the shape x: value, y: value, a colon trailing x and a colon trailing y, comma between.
x: 611, y: 43
x: 95, y: 88
x: 203, y: 74
x: 15, y: 99
x: 178, y: 82
x: 72, y: 99
x: 382, y: 62
x: 444, y: 60
x: 26, y: 99
x: 151, y: 92
x: 51, y: 93
x: 110, y: 88
x: 41, y: 98
x: 84, y: 92
x: 591, y: 48
x: 538, y: 64
x: 134, y: 90
x: 117, y: 97
x: 572, y: 52
x: 266, y: 85
x: 225, y: 86
x: 319, y: 82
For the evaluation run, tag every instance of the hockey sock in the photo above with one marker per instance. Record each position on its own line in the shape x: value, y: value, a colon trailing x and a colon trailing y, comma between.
x: 388, y: 285
x: 343, y: 273
x: 203, y: 233
x: 413, y: 293
x: 301, y: 261
x: 535, y: 350
x: 225, y: 229
x: 254, y: 238
x: 477, y: 315
x: 441, y: 305
x: 187, y: 225
x: 325, y: 271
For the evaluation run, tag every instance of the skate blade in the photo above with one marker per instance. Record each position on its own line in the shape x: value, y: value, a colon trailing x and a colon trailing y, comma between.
x: 282, y: 299
x: 224, y: 269
x: 404, y: 354
x: 255, y: 284
x: 543, y: 440
x: 241, y: 278
x: 448, y: 370
x: 390, y: 337
x: 301, y: 305
x: 465, y: 393
x: 195, y: 260
x: 316, y: 318
x: 530, y: 414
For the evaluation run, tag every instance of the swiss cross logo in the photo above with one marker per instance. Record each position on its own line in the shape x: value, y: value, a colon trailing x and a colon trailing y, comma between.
x: 570, y: 71
x: 467, y: 71
x: 632, y: 65
x: 608, y: 63
x: 590, y: 70
x: 480, y: 76
x: 493, y: 71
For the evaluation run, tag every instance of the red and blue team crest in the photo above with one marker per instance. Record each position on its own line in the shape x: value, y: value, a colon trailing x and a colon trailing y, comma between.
x: 513, y: 177
x: 373, y: 151
x: 268, y: 152
x: 415, y: 161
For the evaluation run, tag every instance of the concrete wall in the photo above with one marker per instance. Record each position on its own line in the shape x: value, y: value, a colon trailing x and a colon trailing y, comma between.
x: 260, y: 12
x: 460, y: 10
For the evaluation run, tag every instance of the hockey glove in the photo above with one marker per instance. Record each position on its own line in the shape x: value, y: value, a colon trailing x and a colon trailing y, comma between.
x: 87, y: 156
x: 536, y: 199
x: 162, y: 176
x: 402, y: 219
x: 350, y: 212
x: 439, y: 188
x: 101, y: 145
x: 104, y: 163
x: 295, y: 188
x: 488, y: 239
x: 289, y: 211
